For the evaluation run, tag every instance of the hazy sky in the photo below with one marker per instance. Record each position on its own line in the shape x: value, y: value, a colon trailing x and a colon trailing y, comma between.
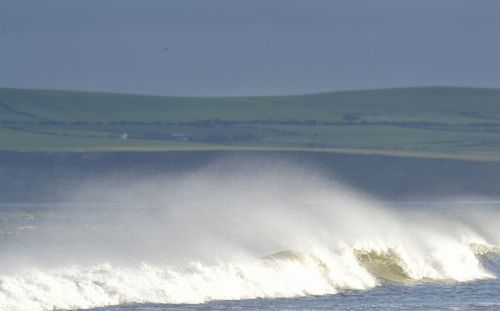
x: 232, y: 47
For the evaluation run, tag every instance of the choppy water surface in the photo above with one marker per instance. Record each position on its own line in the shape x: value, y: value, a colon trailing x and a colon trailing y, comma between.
x: 479, y: 295
x: 279, y: 237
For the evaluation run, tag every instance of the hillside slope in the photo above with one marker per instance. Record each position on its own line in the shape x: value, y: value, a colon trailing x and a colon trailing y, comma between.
x: 429, y: 122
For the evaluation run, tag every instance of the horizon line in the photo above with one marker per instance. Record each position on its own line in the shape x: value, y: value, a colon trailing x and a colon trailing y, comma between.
x: 240, y: 96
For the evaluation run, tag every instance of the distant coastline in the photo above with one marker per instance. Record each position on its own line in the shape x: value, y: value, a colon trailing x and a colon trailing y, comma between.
x: 429, y: 122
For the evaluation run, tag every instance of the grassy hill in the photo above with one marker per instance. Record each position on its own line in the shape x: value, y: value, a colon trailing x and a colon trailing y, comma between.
x: 428, y: 122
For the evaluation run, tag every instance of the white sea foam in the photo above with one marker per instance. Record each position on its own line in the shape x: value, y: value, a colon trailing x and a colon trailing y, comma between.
x: 237, y: 231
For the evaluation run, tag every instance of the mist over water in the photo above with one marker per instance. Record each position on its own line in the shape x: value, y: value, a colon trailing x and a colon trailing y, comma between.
x: 237, y: 229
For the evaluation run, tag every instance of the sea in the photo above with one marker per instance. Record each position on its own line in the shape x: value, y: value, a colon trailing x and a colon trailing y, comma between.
x: 276, y: 237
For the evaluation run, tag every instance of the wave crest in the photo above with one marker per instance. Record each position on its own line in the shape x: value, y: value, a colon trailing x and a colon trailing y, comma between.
x: 223, y: 223
x: 284, y: 274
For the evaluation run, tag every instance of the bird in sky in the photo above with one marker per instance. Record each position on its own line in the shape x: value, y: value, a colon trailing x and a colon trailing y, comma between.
x: 165, y: 49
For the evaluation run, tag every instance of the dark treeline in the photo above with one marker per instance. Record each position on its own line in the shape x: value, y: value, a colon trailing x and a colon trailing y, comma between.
x: 216, y: 122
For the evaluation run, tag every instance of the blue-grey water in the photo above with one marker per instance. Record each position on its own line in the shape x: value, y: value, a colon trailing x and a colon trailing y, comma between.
x: 480, y: 295
x: 279, y: 239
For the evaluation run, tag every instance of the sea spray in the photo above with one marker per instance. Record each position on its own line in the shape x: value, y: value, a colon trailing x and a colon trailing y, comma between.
x: 234, y: 230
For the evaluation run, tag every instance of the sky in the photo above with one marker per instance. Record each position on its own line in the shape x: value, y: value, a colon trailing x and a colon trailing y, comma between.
x: 247, y: 47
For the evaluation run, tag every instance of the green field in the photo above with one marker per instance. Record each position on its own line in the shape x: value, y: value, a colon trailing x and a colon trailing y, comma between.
x: 429, y: 122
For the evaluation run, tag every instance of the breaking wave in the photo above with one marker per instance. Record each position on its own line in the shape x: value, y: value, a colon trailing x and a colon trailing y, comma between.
x: 238, y: 231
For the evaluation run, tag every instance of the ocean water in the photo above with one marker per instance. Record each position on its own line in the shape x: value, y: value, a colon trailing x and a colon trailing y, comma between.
x: 248, y: 236
x: 480, y: 295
